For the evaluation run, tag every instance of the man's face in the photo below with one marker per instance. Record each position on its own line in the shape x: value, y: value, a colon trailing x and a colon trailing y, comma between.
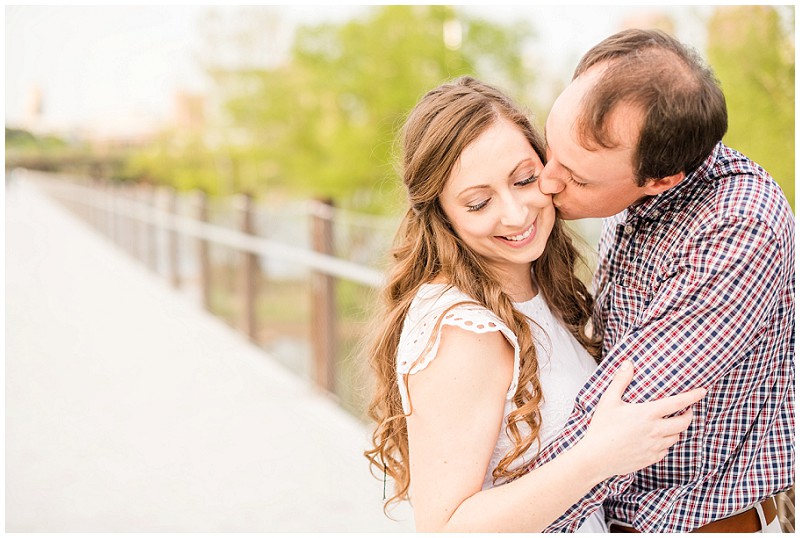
x: 590, y: 182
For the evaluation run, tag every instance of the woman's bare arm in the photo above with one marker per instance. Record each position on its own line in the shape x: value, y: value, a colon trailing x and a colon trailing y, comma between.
x: 457, y: 411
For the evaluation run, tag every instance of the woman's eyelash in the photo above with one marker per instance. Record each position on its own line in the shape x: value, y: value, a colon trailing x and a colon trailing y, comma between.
x: 527, y: 181
x: 478, y: 206
x: 481, y: 205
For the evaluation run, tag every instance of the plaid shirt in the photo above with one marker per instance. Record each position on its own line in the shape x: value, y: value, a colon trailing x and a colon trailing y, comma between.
x: 696, y: 287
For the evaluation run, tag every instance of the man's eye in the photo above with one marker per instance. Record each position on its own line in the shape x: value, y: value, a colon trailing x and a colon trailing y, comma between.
x: 576, y: 183
x: 478, y: 206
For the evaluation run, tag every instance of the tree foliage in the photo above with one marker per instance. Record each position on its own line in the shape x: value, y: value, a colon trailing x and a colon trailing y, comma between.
x: 324, y: 123
x: 21, y: 139
x: 178, y: 159
x: 318, y: 115
x: 752, y: 52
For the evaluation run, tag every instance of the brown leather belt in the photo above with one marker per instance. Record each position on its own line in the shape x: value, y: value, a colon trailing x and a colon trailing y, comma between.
x: 745, y: 522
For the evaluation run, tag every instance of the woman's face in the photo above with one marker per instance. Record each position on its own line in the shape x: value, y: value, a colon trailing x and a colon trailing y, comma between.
x: 493, y: 201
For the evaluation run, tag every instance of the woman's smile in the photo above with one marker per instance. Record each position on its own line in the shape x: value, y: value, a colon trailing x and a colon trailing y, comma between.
x: 521, y: 240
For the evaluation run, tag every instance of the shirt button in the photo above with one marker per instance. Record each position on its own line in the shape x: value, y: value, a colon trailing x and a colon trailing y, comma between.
x: 656, y: 214
x: 628, y: 229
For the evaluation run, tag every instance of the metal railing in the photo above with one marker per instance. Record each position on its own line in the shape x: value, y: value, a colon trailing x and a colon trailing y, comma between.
x: 111, y: 209
x: 226, y: 270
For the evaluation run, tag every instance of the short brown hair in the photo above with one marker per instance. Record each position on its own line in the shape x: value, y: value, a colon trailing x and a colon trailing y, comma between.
x: 683, y: 106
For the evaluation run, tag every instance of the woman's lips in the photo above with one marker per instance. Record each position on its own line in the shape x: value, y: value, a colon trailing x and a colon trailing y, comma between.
x: 521, y: 240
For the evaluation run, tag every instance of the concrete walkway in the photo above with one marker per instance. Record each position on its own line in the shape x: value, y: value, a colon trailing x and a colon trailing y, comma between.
x: 130, y: 410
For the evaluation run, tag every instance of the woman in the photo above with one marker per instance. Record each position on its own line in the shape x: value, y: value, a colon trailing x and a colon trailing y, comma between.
x: 482, y: 347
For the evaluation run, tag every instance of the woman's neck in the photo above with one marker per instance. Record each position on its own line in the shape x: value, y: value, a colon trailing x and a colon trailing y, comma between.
x: 519, y: 285
x: 520, y: 295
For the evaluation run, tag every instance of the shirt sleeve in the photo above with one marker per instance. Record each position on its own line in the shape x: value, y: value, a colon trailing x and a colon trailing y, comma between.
x: 721, y: 287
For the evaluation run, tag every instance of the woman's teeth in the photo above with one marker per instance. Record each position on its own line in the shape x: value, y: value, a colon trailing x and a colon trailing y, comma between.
x: 524, y: 235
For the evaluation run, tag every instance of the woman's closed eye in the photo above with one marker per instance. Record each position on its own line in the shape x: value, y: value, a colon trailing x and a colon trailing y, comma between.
x: 478, y: 206
x: 527, y: 181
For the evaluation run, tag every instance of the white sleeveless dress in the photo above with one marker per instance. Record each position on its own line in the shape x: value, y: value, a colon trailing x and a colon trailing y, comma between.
x: 564, y: 366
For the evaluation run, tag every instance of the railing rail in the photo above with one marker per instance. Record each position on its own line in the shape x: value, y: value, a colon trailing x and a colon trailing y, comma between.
x: 323, y: 263
x: 132, y: 216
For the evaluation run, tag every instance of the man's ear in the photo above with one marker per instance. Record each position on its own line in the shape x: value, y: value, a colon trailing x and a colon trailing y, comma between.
x: 659, y: 185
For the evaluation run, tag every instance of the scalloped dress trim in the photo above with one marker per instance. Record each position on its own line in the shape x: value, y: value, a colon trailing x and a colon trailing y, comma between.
x: 427, y: 313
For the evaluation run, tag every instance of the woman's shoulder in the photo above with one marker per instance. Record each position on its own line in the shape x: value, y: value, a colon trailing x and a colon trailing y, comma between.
x: 434, y: 299
x: 435, y: 307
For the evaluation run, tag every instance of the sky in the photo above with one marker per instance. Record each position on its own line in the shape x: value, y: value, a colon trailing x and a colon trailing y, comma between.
x: 116, y: 69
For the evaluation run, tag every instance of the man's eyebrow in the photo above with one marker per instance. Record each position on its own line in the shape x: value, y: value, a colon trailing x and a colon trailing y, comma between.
x: 572, y: 173
x: 567, y: 168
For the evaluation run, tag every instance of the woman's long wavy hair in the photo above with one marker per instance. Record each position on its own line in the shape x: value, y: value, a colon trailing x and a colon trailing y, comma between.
x: 439, y: 128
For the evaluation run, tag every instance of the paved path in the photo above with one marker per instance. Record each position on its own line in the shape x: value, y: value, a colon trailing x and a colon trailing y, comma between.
x: 130, y: 410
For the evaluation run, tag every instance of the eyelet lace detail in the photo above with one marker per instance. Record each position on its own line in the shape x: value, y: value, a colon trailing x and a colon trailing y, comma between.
x: 426, y: 309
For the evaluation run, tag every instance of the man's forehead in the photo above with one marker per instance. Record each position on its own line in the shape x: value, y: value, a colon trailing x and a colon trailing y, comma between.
x: 567, y: 105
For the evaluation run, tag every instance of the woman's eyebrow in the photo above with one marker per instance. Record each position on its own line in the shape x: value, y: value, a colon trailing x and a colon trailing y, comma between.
x: 487, y: 186
x: 523, y: 161
x: 472, y: 187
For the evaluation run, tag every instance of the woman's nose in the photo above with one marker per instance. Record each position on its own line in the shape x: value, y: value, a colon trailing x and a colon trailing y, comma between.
x: 515, y: 213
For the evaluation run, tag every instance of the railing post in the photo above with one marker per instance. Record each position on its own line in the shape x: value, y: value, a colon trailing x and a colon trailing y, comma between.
x: 92, y: 211
x: 138, y: 225
x: 173, y: 254
x: 85, y: 211
x: 151, y: 202
x: 203, y: 259
x: 108, y: 216
x: 97, y: 194
x: 116, y: 233
x: 131, y: 236
x: 249, y: 272
x: 123, y: 221
x: 323, y: 293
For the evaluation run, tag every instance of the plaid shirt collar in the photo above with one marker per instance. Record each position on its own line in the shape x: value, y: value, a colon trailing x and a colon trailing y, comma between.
x: 661, y: 206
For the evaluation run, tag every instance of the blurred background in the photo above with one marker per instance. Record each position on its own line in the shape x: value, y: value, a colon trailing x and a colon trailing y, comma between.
x: 305, y: 101
x: 246, y: 154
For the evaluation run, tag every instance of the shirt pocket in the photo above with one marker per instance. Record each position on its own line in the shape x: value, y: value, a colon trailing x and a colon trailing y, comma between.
x: 627, y: 299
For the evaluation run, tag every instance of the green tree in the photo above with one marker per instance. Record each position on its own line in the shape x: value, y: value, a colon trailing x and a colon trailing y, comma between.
x: 177, y: 159
x: 752, y: 52
x: 325, y: 122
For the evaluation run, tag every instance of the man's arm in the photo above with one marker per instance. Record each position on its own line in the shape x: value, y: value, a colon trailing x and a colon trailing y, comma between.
x: 723, y: 287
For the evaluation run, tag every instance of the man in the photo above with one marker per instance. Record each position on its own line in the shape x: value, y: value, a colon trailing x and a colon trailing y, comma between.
x: 695, y: 284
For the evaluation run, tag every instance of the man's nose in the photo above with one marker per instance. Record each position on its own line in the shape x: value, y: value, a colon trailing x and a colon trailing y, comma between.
x: 550, y: 180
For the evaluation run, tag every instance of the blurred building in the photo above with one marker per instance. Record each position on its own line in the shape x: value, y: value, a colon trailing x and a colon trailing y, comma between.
x: 189, y: 111
x: 186, y: 116
x: 649, y: 20
x: 33, y: 109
